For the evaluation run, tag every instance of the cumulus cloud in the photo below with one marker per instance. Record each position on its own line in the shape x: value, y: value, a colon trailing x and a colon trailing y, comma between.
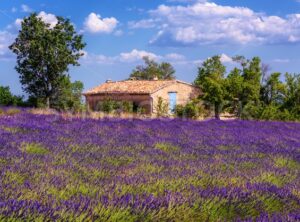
x: 48, y: 18
x: 202, y: 23
x: 95, y: 24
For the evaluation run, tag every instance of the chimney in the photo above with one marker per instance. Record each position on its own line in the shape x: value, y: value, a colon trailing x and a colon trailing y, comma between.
x: 108, y: 81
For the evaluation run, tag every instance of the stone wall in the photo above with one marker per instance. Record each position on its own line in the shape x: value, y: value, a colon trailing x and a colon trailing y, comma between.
x: 185, y: 93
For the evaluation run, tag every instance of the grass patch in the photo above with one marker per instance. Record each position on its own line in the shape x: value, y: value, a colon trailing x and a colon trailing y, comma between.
x: 12, y: 111
x: 34, y: 148
x: 275, y: 179
x: 167, y: 148
x: 283, y: 162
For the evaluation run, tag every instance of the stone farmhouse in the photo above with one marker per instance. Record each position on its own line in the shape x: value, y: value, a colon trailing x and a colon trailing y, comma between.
x: 143, y: 93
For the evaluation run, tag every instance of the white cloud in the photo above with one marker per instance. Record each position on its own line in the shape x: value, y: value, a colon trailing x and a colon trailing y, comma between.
x: 26, y: 8
x: 136, y: 55
x: 226, y: 59
x: 145, y: 23
x: 95, y: 24
x: 18, y: 22
x: 48, y: 18
x: 203, y: 22
x: 6, y: 39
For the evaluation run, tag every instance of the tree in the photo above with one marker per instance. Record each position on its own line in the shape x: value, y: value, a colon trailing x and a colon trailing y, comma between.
x: 68, y: 95
x: 152, y: 70
x: 234, y: 89
x: 292, y: 95
x: 8, y: 99
x: 273, y: 91
x: 251, y: 85
x: 211, y: 80
x: 44, y: 54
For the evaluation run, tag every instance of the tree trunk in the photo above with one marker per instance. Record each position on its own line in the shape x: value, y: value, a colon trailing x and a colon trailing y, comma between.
x: 48, y: 102
x: 217, y: 111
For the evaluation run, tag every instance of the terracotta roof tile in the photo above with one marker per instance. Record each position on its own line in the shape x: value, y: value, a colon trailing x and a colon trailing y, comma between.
x: 131, y: 86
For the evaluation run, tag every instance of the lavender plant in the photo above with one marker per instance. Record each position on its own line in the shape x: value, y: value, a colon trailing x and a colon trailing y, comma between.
x: 56, y: 169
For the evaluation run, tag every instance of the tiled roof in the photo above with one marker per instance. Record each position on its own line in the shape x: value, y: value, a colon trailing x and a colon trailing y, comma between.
x: 131, y: 86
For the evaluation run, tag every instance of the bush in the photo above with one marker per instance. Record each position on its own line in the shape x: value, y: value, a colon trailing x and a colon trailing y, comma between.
x: 161, y: 108
x: 127, y: 107
x: 110, y: 106
x: 192, y: 110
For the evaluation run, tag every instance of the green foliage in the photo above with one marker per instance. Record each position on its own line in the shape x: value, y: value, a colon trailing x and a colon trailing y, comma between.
x: 44, y: 54
x: 162, y: 108
x: 191, y: 110
x: 153, y: 70
x: 211, y: 80
x: 110, y: 106
x: 68, y: 96
x: 249, y: 92
x: 8, y: 99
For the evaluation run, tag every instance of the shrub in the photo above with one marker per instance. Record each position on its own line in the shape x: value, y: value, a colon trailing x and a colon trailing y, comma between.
x: 192, y: 110
x: 107, y: 106
x: 161, y: 108
x: 127, y: 107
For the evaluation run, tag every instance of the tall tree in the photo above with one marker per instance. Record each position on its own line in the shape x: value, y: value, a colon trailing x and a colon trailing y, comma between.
x: 292, y: 96
x: 234, y: 89
x: 251, y: 85
x: 152, y: 70
x: 273, y: 91
x: 44, y: 54
x: 211, y: 80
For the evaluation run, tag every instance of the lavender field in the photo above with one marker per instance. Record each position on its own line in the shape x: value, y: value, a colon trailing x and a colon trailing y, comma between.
x: 55, y: 169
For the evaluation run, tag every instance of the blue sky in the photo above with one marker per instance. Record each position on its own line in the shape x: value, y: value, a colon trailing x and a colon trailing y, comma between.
x: 119, y: 33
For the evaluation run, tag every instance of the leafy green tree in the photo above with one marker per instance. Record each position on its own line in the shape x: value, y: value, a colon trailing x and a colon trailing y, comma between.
x: 292, y: 95
x: 251, y: 85
x: 44, y: 55
x: 273, y: 91
x: 152, y: 70
x: 234, y: 90
x: 211, y: 80
x: 8, y: 99
x: 68, y: 95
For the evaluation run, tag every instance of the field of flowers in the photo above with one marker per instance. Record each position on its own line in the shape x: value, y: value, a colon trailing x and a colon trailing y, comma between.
x: 57, y: 169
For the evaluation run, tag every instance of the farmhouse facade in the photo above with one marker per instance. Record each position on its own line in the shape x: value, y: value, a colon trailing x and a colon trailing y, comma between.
x: 143, y: 93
